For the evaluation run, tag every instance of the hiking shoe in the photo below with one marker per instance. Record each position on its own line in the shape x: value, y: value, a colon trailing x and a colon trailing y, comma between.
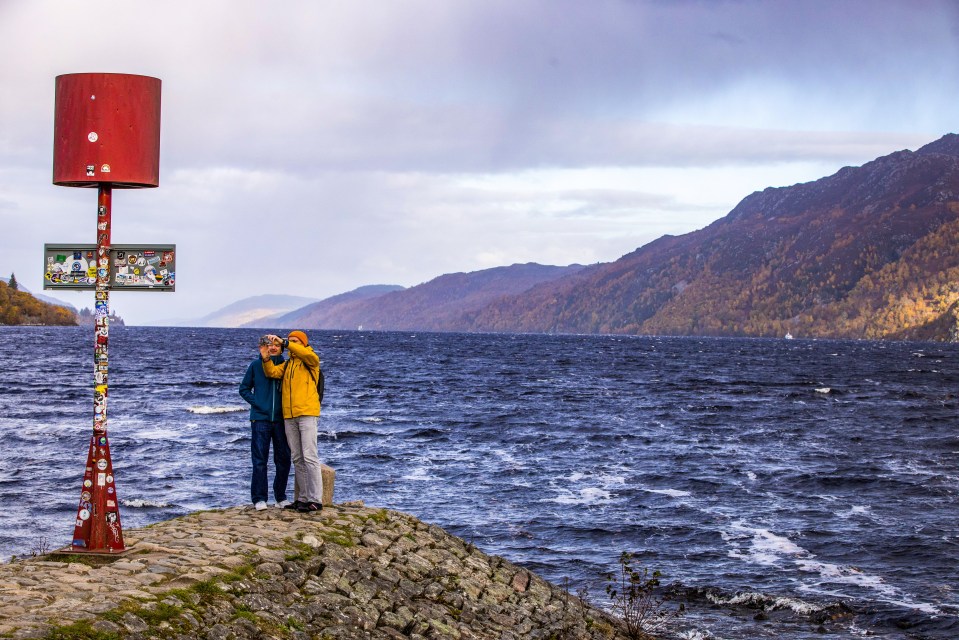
x: 283, y: 504
x: 313, y: 506
x: 260, y: 506
x: 292, y: 505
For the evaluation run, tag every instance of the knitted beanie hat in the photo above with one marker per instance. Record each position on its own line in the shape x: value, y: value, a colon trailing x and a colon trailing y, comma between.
x: 301, y: 336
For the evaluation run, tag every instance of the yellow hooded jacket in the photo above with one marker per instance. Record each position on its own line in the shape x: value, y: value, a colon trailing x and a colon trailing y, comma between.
x: 298, y: 385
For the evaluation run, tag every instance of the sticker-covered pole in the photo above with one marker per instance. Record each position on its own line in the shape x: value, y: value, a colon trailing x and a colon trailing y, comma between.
x: 98, y: 528
x: 106, y: 134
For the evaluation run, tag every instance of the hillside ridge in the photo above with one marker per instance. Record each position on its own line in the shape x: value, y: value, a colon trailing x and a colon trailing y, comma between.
x: 869, y: 252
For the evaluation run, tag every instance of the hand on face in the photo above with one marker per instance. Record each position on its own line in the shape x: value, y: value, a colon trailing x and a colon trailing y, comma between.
x: 265, y: 351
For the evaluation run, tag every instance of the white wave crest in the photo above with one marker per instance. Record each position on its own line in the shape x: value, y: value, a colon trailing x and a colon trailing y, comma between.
x: 137, y: 503
x: 672, y: 493
x: 209, y: 410
x: 587, y: 496
x: 855, y: 511
x: 767, y: 603
x: 157, y: 433
x: 768, y: 549
x: 420, y: 474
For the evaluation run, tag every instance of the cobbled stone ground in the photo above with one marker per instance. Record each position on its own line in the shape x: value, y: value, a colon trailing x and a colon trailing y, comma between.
x: 346, y: 572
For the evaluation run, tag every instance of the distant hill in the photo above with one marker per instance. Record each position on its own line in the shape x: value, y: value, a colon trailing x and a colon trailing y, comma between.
x: 50, y: 300
x: 869, y: 252
x: 248, y: 310
x: 20, y: 308
x: 325, y: 312
x: 442, y: 304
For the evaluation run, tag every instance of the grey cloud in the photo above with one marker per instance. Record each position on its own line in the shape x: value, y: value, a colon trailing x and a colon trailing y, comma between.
x: 341, y: 132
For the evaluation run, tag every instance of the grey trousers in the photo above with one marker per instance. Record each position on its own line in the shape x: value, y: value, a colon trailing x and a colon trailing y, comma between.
x: 307, y: 475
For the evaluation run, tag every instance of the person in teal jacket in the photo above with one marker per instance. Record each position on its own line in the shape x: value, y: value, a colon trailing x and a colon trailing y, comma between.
x: 266, y: 421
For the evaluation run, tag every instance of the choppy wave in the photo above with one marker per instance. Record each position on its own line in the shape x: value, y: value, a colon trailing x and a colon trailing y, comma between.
x: 767, y: 603
x: 137, y: 503
x: 204, y: 410
x: 725, y: 464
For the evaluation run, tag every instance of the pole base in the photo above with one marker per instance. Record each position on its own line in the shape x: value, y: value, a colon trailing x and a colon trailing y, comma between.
x: 80, y: 551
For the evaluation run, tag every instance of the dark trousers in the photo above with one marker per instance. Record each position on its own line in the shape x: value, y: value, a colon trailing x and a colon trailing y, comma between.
x: 265, y: 432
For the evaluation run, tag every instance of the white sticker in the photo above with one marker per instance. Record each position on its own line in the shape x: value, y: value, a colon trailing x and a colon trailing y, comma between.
x: 105, y: 168
x: 84, y: 514
x: 101, y: 479
x: 92, y: 136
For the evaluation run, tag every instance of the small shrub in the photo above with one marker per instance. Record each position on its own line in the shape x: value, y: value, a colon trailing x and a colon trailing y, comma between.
x: 208, y: 590
x: 41, y: 547
x: 380, y: 517
x: 294, y: 625
x: 81, y: 630
x: 632, y: 593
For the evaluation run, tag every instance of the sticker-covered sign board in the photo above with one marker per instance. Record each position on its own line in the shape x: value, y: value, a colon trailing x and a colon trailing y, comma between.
x: 150, y: 267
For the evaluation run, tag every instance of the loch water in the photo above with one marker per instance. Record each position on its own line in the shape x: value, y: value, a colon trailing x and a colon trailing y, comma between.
x: 786, y: 489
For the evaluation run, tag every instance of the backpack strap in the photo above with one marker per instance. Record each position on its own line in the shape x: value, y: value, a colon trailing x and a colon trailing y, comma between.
x: 320, y: 381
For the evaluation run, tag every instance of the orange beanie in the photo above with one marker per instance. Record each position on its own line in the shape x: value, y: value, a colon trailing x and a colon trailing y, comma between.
x: 301, y: 336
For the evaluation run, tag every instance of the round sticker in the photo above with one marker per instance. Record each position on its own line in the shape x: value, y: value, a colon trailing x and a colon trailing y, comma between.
x: 103, y: 440
x: 92, y: 136
x: 109, y: 478
x: 101, y: 464
x: 84, y: 514
x: 88, y: 483
x: 85, y: 496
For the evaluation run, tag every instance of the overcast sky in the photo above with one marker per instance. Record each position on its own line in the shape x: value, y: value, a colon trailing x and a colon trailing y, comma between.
x: 309, y: 147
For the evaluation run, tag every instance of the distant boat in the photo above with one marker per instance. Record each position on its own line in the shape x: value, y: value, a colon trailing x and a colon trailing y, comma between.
x: 788, y: 336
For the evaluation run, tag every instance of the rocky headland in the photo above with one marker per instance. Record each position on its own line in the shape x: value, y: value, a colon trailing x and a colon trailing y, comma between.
x: 347, y: 572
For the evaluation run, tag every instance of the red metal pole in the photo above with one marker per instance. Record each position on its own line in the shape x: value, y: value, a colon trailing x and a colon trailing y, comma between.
x: 98, y: 528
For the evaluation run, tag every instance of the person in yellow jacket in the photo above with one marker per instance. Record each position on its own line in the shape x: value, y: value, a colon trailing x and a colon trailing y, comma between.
x: 301, y: 411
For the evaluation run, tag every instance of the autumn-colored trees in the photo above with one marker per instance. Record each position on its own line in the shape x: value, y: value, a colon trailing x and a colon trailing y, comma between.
x: 19, y: 307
